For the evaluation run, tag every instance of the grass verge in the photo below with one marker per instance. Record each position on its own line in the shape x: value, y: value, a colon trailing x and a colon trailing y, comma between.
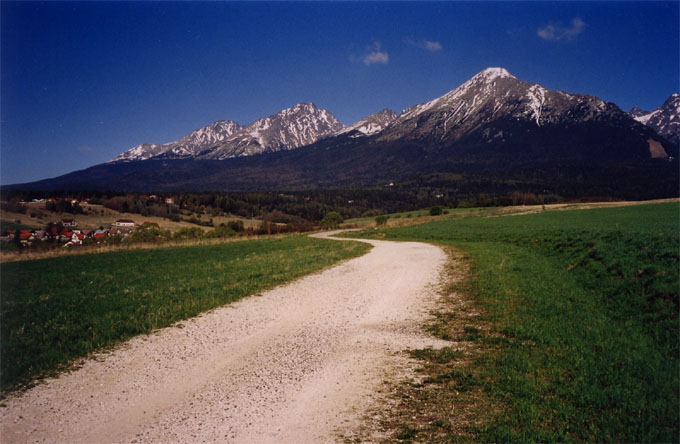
x: 577, y: 335
x: 54, y: 311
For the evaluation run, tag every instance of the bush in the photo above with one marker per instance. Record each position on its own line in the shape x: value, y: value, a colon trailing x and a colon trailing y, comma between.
x: 381, y: 220
x: 149, y: 232
x: 236, y: 225
x: 331, y: 220
x: 188, y: 233
x: 436, y: 210
x: 221, y: 231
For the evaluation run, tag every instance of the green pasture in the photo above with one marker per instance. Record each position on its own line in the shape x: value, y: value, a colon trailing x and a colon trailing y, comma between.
x: 56, y: 310
x: 583, y: 339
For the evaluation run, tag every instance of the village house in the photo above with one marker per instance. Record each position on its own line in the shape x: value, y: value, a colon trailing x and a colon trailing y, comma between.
x: 26, y: 237
x: 65, y: 235
x: 68, y: 222
x: 124, y: 223
x: 170, y: 200
x: 77, y: 238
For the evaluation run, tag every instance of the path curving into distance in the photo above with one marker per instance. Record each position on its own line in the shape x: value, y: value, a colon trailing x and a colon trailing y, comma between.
x: 296, y: 364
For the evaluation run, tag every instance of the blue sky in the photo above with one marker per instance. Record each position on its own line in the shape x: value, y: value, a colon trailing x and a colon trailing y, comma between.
x: 82, y: 82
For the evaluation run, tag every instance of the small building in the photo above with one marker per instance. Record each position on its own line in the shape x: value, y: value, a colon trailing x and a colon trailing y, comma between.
x: 170, y: 200
x: 125, y: 223
x: 68, y: 222
x: 65, y: 235
x: 25, y: 236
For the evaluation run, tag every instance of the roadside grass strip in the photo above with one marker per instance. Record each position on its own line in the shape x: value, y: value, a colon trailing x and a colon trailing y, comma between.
x: 55, y: 311
x: 576, y: 336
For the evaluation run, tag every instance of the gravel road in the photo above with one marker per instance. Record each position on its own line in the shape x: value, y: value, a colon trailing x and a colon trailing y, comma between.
x: 297, y: 364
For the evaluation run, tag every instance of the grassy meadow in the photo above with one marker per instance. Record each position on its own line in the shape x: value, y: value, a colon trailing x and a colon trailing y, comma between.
x: 575, y: 336
x: 54, y: 311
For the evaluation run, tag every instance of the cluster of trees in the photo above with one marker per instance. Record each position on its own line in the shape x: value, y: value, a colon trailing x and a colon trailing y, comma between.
x: 64, y: 206
x: 13, y: 205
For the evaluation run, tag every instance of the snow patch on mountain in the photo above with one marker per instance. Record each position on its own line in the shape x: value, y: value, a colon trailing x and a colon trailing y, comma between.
x: 536, y: 95
x: 372, y: 124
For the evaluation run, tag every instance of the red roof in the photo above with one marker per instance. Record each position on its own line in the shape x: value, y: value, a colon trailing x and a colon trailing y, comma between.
x: 24, y: 234
x: 99, y: 235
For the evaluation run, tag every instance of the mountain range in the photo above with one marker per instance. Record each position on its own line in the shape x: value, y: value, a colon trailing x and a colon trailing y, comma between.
x: 494, y: 124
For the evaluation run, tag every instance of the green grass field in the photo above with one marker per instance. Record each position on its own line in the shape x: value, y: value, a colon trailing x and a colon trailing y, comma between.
x: 56, y: 310
x: 581, y: 339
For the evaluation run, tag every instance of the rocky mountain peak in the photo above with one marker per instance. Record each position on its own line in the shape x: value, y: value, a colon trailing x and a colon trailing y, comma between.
x: 299, y: 125
x: 190, y: 145
x: 493, y: 95
x: 372, y: 124
x: 665, y: 120
x: 637, y: 112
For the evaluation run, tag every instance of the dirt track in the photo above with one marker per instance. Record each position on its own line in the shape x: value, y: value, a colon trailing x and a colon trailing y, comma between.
x: 297, y: 364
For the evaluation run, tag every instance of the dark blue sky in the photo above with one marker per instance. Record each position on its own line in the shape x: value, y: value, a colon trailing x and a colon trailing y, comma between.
x: 82, y: 82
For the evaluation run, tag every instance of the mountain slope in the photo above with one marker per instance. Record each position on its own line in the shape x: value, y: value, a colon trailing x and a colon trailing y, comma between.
x: 665, y: 120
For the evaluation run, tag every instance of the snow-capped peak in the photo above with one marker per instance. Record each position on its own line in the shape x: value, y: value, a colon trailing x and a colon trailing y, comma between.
x: 482, y: 84
x: 491, y: 95
x: 491, y: 74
